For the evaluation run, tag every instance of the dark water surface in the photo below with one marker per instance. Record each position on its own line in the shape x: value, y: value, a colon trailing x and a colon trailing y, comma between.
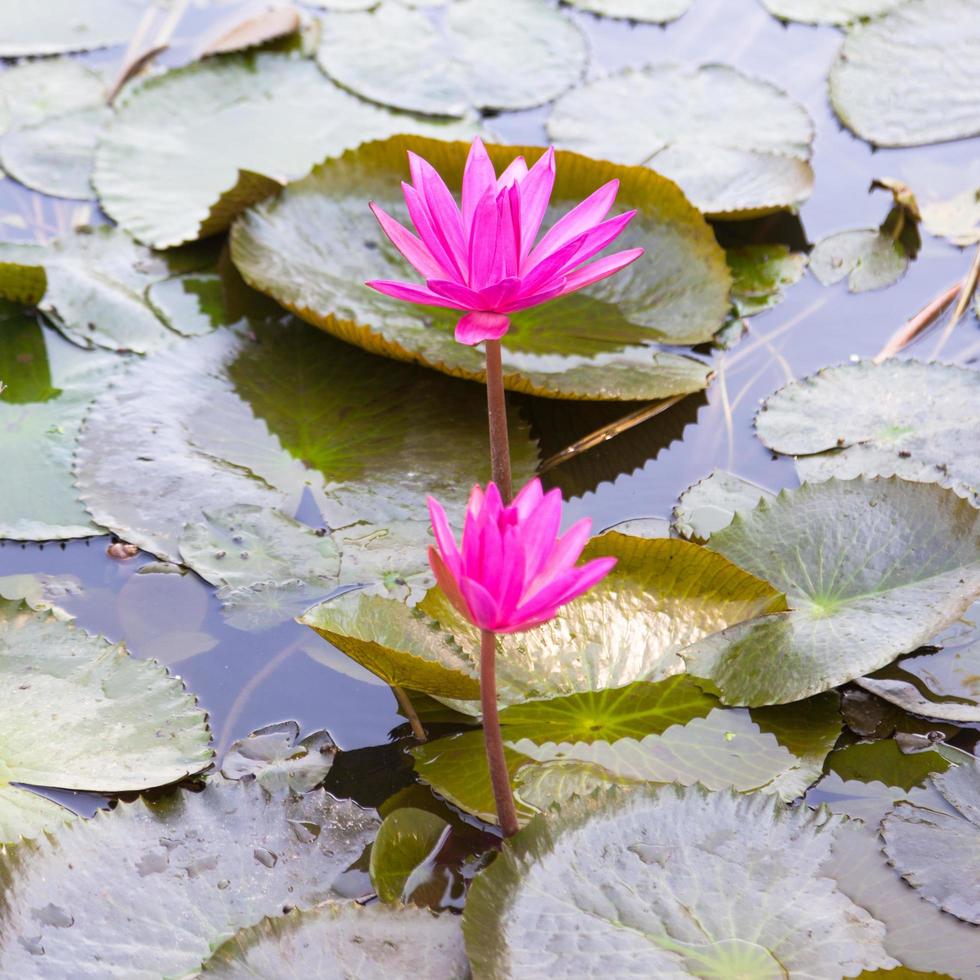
x: 246, y: 680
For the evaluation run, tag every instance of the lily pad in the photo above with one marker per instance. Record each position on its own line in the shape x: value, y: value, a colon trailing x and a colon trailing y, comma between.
x: 80, y: 713
x: 871, y: 569
x: 644, y: 11
x: 65, y: 25
x: 405, y: 839
x: 281, y: 763
x: 40, y: 592
x: 33, y: 91
x: 904, y: 418
x: 653, y: 883
x: 829, y: 11
x: 596, y: 344
x: 180, y: 159
x: 869, y: 259
x: 48, y: 383
x: 514, y: 55
x: 736, y: 145
x: 911, y: 77
x: 91, y: 285
x: 938, y: 853
x: 192, y: 869
x: 712, y: 503
x: 335, y: 941
x: 760, y: 273
x: 661, y: 596
x: 956, y: 218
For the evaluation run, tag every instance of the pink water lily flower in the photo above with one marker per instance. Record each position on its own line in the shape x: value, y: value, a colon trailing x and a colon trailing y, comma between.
x: 512, y: 571
x: 482, y: 259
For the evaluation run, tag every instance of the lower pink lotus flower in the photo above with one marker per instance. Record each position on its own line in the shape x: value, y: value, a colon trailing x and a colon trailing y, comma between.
x: 512, y: 570
x: 481, y: 257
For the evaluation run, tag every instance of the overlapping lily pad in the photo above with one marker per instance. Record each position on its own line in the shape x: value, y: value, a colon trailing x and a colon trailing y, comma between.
x: 180, y: 160
x: 711, y: 504
x: 760, y: 273
x: 597, y: 344
x: 653, y: 883
x: 735, y: 144
x: 938, y: 852
x: 65, y: 25
x: 644, y: 11
x: 905, y: 418
x: 829, y: 11
x: 871, y: 569
x: 80, y: 713
x: 37, y: 90
x: 151, y: 888
x: 406, y: 838
x: 514, y: 54
x: 911, y: 76
x: 374, y: 942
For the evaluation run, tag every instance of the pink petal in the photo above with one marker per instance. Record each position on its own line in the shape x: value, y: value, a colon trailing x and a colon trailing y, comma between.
x: 419, y: 213
x: 595, y: 240
x: 444, y: 213
x: 535, y: 193
x: 498, y: 294
x: 564, y: 554
x: 482, y: 607
x: 478, y: 179
x: 474, y: 328
x: 567, y: 586
x: 516, y: 171
x: 475, y: 504
x: 529, y: 496
x: 448, y: 583
x: 580, y: 219
x: 539, y: 532
x: 462, y: 297
x: 444, y: 536
x: 410, y: 292
x: 406, y: 243
x: 523, y: 301
x: 600, y: 269
x: 483, y: 243
x: 509, y: 231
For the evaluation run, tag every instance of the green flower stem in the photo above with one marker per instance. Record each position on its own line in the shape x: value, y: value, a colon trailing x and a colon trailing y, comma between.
x: 499, y: 777
x: 497, y: 410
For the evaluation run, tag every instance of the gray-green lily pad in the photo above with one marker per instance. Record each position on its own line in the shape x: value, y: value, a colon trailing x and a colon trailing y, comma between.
x: 760, y: 273
x: 644, y: 11
x: 149, y: 889
x: 90, y: 284
x: 938, y: 852
x: 871, y: 569
x: 829, y: 11
x: 335, y: 941
x: 80, y: 713
x: 712, y: 503
x: 653, y: 883
x: 956, y: 218
x: 869, y: 259
x: 904, y: 418
x: 191, y: 304
x: 181, y: 159
x: 48, y: 383
x: 66, y: 25
x: 911, y: 77
x: 596, y: 344
x: 406, y: 838
x: 736, y: 145
x: 33, y: 91
x: 279, y: 761
x: 515, y: 54
x: 42, y: 593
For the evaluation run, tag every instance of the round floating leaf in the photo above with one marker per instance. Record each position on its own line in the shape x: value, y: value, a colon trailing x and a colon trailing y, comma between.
x: 66, y: 25
x: 80, y: 713
x: 711, y: 504
x: 957, y: 218
x: 655, y: 883
x: 828, y: 11
x: 944, y: 685
x: 911, y: 76
x: 149, y: 889
x: 36, y: 90
x: 869, y: 259
x: 48, y: 385
x: 181, y: 158
x: 91, y: 285
x: 733, y: 143
x: 406, y: 838
x: 938, y: 853
x: 335, y: 941
x: 514, y: 54
x: 279, y: 761
x: 871, y: 569
x: 905, y: 418
x: 595, y: 344
x: 760, y: 273
x: 644, y: 11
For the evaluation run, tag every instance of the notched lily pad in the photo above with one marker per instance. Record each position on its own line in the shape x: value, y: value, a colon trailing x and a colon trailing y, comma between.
x: 829, y: 11
x: 596, y: 344
x: 712, y: 503
x: 736, y: 145
x: 644, y: 11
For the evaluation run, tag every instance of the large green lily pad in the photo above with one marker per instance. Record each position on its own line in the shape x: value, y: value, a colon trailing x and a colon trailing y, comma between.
x: 655, y: 883
x: 80, y: 713
x: 596, y: 344
x: 828, y: 11
x: 735, y: 144
x: 911, y: 76
x: 938, y: 852
x: 661, y: 596
x: 48, y: 384
x: 66, y: 25
x: 150, y: 889
x: 181, y: 158
x: 335, y: 941
x: 871, y: 569
x: 904, y: 418
x: 515, y: 54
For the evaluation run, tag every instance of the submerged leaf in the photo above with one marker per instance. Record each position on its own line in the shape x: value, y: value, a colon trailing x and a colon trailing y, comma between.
x: 735, y: 144
x: 405, y: 839
x: 276, y: 758
x: 596, y: 344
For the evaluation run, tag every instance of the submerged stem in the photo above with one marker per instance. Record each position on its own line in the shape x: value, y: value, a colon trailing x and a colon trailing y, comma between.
x: 408, y: 709
x: 499, y: 777
x: 497, y: 410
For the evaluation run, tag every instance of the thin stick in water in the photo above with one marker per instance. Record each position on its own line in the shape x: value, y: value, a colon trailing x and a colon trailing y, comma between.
x: 408, y: 709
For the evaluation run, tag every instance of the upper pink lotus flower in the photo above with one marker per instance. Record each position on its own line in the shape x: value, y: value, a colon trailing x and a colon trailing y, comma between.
x: 513, y: 571
x: 482, y: 259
